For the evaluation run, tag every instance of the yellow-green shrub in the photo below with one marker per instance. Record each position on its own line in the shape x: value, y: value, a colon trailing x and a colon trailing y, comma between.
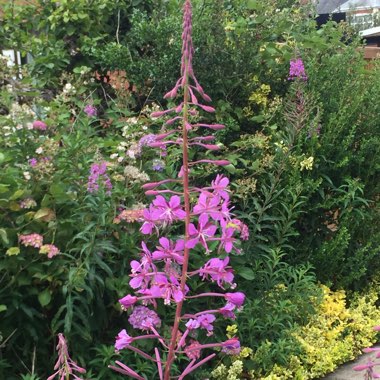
x: 334, y: 335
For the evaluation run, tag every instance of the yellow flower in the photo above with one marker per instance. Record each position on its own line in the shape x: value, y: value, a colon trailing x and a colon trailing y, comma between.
x: 307, y: 163
x: 231, y: 331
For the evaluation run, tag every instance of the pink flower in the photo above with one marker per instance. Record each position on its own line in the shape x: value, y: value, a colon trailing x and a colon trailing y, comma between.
x: 218, y: 271
x: 169, y: 250
x: 201, y: 234
x: 208, y: 204
x: 39, y: 125
x: 168, y: 211
x: 168, y: 289
x: 297, y: 70
x: 98, y: 174
x: 142, y: 270
x: 50, y: 249
x: 227, y: 240
x: 149, y: 223
x: 32, y: 240
x: 219, y: 186
x: 236, y: 299
x: 90, y: 110
x: 33, y: 162
x: 123, y: 340
x: 204, y: 321
x: 127, y: 301
x: 228, y: 310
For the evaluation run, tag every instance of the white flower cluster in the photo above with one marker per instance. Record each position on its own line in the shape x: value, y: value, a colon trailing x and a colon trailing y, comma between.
x: 135, y: 174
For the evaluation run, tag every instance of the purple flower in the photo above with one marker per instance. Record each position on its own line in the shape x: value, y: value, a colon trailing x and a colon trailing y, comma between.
x: 98, y: 173
x: 33, y: 162
x: 123, y: 340
x: 143, y: 318
x: 90, y: 110
x: 39, y: 125
x: 158, y: 165
x: 231, y: 346
x: 297, y: 70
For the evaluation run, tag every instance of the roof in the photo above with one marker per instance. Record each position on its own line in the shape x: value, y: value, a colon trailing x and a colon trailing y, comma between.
x: 328, y: 6
x: 357, y: 4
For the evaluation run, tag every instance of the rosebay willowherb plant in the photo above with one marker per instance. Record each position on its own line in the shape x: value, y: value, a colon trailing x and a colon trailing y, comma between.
x: 206, y: 223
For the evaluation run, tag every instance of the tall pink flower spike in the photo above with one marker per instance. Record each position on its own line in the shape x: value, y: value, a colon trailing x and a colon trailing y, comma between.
x: 163, y: 270
x: 65, y: 366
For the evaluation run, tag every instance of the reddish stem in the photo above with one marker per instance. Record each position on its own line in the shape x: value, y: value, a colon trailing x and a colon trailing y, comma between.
x: 186, y: 196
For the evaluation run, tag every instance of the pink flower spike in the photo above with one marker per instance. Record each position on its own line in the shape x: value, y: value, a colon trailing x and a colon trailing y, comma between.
x: 377, y: 328
x: 65, y: 366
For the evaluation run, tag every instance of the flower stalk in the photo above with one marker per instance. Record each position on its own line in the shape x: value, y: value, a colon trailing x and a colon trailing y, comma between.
x: 208, y: 223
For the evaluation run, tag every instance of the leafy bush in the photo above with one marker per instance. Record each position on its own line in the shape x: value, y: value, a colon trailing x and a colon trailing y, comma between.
x: 334, y: 335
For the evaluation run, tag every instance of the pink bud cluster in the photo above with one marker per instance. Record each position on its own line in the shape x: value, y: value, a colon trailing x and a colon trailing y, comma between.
x: 65, y: 367
x: 210, y: 228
